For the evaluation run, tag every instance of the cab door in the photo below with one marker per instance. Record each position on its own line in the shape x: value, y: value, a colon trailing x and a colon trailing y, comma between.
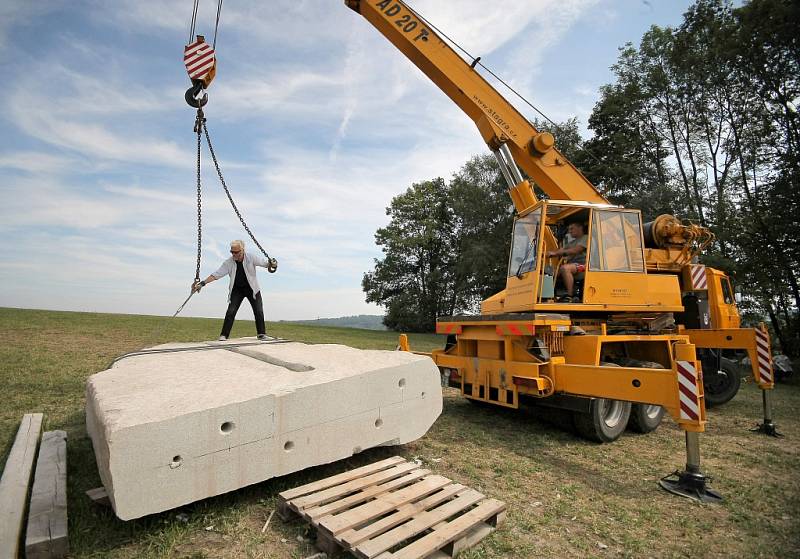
x: 616, y: 274
x: 724, y: 313
x: 522, y: 283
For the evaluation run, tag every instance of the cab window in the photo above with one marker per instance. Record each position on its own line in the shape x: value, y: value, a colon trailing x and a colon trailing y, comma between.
x: 616, y: 242
x: 727, y: 292
x: 525, y: 244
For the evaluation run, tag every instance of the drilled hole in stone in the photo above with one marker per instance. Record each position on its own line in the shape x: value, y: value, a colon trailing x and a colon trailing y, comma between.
x: 176, y: 461
x: 378, y: 423
x: 402, y: 383
x: 423, y: 394
x: 288, y: 445
x: 227, y: 427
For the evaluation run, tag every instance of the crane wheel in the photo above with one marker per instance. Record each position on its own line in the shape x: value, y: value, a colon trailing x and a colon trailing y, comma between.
x: 720, y: 387
x: 605, y: 422
x: 645, y: 418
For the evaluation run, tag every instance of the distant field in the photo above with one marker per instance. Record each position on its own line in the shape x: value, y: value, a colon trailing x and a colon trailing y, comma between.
x: 566, y: 497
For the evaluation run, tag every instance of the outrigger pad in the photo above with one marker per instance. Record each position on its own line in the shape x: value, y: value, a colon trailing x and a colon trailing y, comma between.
x: 170, y: 428
x: 767, y: 428
x: 690, y: 485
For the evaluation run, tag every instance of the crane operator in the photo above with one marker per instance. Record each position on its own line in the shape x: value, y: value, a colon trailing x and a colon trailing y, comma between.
x: 241, y: 268
x: 574, y: 250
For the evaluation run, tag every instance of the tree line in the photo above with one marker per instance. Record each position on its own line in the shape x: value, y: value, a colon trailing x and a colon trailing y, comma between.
x: 700, y: 121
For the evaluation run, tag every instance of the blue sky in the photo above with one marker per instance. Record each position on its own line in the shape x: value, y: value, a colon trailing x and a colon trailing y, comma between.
x: 316, y: 119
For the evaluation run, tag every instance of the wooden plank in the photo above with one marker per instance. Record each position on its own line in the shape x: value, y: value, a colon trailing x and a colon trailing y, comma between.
x: 456, y: 529
x: 419, y: 524
x: 340, y: 478
x: 354, y: 537
x: 333, y: 493
x: 99, y: 496
x: 384, y: 503
x: 472, y: 537
x: 317, y: 513
x: 46, y: 536
x: 15, y: 482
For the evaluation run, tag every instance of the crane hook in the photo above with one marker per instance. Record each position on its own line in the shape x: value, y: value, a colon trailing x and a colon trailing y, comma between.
x: 196, y: 95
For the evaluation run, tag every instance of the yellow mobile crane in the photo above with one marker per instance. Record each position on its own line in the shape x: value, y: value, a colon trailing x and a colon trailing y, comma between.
x: 617, y: 353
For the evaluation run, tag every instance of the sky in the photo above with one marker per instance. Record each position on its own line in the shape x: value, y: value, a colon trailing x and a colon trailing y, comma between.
x: 317, y: 121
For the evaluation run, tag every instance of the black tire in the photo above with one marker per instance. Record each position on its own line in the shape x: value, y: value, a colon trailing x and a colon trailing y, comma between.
x: 645, y: 418
x: 721, y: 386
x: 605, y: 422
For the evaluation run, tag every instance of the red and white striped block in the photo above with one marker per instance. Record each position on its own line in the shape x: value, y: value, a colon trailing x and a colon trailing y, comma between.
x: 198, y: 59
x: 689, y: 391
x: 764, y: 358
x: 698, y: 275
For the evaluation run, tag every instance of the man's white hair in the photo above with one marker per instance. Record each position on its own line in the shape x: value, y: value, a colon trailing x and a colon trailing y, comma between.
x: 238, y: 244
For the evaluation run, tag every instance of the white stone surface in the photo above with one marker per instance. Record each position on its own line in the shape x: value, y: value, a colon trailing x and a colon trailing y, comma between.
x: 172, y: 428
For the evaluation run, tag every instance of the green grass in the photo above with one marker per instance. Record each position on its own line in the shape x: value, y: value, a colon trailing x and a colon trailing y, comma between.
x: 565, y: 496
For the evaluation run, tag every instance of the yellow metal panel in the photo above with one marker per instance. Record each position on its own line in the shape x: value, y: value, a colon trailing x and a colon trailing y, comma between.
x: 664, y: 291
x: 521, y: 292
x: 616, y: 288
x: 735, y: 338
x: 582, y: 350
x: 494, y: 304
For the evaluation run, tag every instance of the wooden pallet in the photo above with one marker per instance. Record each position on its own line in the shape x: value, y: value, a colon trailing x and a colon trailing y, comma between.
x: 393, y: 509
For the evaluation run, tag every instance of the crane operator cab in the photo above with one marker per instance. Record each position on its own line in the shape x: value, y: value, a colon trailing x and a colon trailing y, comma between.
x: 609, y: 275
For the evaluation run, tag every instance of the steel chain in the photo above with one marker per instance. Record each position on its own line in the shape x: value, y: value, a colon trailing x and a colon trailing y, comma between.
x: 227, y: 192
x: 198, y: 126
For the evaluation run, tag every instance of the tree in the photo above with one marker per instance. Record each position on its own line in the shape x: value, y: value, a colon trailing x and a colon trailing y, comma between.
x: 445, y: 248
x: 415, y: 280
x: 701, y: 122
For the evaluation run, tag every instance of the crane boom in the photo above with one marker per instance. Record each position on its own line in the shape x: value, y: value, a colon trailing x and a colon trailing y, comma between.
x: 497, y: 120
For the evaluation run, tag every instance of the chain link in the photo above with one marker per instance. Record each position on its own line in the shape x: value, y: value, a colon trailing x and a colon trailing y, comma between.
x: 227, y: 192
x: 198, y: 127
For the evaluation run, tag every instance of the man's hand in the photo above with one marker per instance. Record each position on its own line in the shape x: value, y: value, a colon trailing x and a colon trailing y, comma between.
x: 197, y: 286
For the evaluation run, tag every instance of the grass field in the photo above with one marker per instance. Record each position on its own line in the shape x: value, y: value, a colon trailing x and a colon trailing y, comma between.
x: 566, y: 497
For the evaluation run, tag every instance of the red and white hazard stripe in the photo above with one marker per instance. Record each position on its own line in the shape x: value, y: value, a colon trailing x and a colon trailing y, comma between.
x: 689, y: 390
x: 698, y: 274
x: 198, y: 59
x: 764, y: 357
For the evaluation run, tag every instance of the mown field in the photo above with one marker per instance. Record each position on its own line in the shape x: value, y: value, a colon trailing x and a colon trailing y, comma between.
x: 566, y: 497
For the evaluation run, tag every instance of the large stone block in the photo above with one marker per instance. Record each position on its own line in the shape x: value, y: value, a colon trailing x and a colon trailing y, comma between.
x: 175, y: 427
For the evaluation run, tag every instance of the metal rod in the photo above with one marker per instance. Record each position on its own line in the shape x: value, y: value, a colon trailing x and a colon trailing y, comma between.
x: 692, y: 452
x: 504, y: 168
x: 766, y: 398
x: 512, y: 165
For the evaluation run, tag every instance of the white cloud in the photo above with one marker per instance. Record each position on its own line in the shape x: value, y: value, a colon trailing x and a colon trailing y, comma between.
x: 35, y: 162
x: 318, y: 122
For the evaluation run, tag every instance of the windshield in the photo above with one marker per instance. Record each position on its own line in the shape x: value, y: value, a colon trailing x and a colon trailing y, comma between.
x: 525, y: 243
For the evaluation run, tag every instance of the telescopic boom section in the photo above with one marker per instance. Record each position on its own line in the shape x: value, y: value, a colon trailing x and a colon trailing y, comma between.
x: 497, y: 120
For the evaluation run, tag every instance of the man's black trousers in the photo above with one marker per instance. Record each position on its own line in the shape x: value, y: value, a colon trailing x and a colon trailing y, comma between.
x: 237, y: 296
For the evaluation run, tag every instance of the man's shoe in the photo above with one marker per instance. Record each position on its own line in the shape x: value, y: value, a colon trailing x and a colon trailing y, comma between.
x: 263, y: 337
x: 222, y: 338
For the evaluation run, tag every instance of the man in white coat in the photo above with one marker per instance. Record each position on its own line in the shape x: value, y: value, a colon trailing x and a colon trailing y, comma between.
x: 241, y: 268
